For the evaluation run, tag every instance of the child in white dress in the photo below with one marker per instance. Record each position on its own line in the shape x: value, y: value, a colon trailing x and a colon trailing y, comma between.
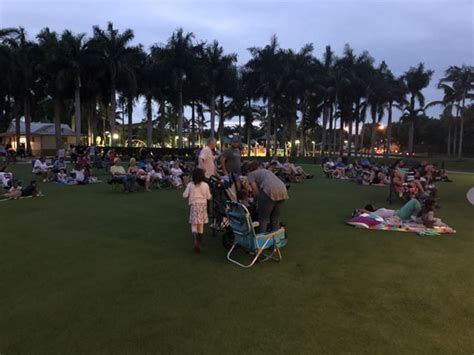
x: 197, y: 192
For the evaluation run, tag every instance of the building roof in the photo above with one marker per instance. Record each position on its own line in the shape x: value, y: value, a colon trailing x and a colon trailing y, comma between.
x: 38, y: 128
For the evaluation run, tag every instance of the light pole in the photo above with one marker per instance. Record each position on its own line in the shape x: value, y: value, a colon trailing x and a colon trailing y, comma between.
x: 314, y: 148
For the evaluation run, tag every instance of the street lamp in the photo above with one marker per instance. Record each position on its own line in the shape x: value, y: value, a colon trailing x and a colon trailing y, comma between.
x: 115, y: 136
x: 314, y: 148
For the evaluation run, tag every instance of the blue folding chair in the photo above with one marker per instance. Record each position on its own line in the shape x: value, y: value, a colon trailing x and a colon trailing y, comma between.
x: 262, y: 244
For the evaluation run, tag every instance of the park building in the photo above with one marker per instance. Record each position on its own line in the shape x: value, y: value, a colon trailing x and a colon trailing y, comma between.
x: 42, y: 137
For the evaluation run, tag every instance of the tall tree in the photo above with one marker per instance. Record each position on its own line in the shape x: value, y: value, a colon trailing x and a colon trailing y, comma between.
x: 115, y: 50
x: 415, y: 79
x: 462, y: 85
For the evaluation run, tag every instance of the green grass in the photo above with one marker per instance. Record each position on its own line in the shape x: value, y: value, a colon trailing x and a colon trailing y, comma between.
x: 90, y: 270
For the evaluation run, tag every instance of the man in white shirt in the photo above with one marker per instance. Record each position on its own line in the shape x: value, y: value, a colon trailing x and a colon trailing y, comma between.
x: 207, y: 157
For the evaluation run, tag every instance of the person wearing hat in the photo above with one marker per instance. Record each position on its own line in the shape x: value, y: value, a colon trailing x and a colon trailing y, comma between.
x: 231, y: 161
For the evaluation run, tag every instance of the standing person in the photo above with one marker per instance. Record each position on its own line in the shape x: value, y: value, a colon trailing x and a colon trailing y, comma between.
x: 197, y: 192
x: 207, y: 157
x: 270, y: 193
x: 231, y: 161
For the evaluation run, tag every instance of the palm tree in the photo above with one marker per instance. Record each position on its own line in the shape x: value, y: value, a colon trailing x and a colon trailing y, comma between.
x: 74, y: 54
x: 181, y: 56
x: 216, y: 66
x: 266, y: 67
x: 415, y: 79
x: 462, y: 85
x: 24, y: 54
x: 115, y: 49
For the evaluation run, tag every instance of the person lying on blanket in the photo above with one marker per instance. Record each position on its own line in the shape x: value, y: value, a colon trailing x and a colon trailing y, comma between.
x: 413, y: 208
x: 31, y: 190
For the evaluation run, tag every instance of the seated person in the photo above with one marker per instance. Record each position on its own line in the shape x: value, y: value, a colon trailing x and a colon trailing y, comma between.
x: 58, y: 165
x: 5, y: 177
x: 157, y: 174
x: 426, y: 215
x: 14, y: 186
x: 120, y: 175
x: 176, y: 173
x: 243, y: 198
x: 137, y: 171
x: 377, y: 177
x: 41, y: 168
x: 61, y: 177
x: 79, y: 174
x: 31, y: 190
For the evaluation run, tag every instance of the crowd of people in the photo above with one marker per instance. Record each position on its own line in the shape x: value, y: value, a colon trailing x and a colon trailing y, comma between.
x: 260, y: 186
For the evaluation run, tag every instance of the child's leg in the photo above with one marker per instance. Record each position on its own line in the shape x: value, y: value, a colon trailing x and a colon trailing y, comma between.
x: 200, y: 228
x: 194, y: 228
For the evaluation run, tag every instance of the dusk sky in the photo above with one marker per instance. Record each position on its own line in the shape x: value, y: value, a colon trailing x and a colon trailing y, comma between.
x: 401, y: 32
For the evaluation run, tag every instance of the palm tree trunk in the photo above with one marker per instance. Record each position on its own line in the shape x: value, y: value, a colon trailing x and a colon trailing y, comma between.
x: 461, y: 127
x: 162, y: 123
x: 113, y: 109
x: 91, y: 127
x: 349, y: 140
x: 411, y: 134
x: 27, y: 113
x: 331, y: 132
x: 293, y: 134
x: 130, y: 121
x: 149, y: 122
x: 212, y: 108
x: 16, y: 113
x: 268, y: 126
x: 275, y: 138
x: 389, y: 130
x: 455, y: 134
x: 221, y: 120
x: 449, y: 137
x: 249, y: 126
x: 193, y: 124
x: 77, y: 109
x: 57, y: 124
x: 240, y: 124
x: 180, y: 117
x: 372, y: 138
x: 341, y: 136
x: 302, y: 128
x: 357, y: 138
x: 323, y: 130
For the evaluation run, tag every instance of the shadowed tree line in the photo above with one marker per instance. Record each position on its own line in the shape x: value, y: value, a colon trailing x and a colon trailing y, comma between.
x: 280, y: 96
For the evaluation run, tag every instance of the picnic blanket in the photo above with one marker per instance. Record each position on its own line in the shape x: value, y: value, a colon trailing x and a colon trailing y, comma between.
x: 375, y: 222
x: 74, y: 182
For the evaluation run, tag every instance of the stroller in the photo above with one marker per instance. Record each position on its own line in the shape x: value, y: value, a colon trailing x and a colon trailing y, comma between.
x: 219, y: 223
x: 266, y: 244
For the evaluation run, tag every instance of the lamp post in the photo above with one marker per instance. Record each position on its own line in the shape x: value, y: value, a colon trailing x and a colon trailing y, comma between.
x: 314, y: 148
x: 297, y: 142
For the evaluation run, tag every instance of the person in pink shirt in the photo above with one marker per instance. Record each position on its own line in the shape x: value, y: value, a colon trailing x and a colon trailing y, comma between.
x: 197, y: 192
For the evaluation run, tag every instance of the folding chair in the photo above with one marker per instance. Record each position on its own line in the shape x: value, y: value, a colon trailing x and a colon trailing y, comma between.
x: 266, y: 244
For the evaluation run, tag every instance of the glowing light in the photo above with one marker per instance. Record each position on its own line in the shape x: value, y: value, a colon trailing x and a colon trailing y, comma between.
x: 313, y: 142
x: 115, y: 136
x: 297, y: 141
x: 381, y: 127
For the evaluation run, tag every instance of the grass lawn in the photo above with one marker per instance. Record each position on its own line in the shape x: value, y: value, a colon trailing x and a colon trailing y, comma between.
x: 90, y: 270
